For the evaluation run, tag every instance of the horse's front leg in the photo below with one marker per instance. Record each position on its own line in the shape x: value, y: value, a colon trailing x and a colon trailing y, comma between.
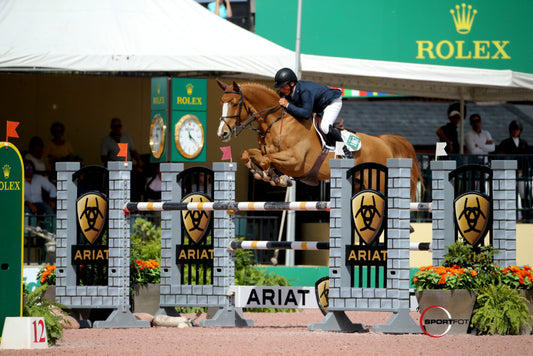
x: 284, y: 162
x: 251, y: 158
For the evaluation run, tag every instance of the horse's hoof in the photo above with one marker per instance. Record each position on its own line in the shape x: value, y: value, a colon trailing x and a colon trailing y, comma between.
x: 285, y: 181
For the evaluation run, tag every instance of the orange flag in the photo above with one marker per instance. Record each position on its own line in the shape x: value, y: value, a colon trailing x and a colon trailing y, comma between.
x: 123, y: 152
x: 12, y: 129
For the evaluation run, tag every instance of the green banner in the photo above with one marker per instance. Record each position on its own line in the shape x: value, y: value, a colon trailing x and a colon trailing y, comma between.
x: 189, y: 94
x: 189, y: 131
x: 12, y: 237
x: 189, y: 120
x: 482, y: 33
x: 159, y: 133
x: 159, y: 94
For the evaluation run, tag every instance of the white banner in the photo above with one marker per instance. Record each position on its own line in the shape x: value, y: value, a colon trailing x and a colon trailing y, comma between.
x: 275, y: 297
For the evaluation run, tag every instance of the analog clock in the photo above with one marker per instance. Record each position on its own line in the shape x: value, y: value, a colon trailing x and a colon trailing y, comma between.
x: 189, y: 136
x: 157, y: 136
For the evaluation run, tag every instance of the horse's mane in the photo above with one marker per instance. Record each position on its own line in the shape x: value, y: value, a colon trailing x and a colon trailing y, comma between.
x: 253, y: 86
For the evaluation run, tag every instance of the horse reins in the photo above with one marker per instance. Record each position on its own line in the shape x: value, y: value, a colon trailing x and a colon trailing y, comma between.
x: 252, y: 117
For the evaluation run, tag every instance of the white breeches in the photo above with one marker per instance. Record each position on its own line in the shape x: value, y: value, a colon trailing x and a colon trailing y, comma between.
x: 331, y: 112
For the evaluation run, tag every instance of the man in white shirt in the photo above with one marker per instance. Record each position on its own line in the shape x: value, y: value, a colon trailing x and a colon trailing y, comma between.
x: 34, y: 184
x: 478, y: 141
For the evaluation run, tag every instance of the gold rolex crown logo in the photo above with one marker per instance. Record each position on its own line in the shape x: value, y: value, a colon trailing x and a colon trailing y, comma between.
x: 7, y: 170
x: 158, y: 89
x: 463, y: 18
x: 189, y: 88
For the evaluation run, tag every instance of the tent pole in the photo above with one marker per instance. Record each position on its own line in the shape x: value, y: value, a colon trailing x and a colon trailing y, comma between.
x: 291, y: 191
x: 298, y: 66
x: 462, y: 122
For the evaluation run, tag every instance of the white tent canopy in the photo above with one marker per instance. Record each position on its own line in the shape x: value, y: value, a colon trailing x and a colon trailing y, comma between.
x: 168, y: 36
x: 419, y: 79
x: 182, y: 38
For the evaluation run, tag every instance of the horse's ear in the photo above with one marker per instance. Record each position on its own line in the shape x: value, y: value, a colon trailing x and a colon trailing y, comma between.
x: 236, y: 87
x: 222, y: 84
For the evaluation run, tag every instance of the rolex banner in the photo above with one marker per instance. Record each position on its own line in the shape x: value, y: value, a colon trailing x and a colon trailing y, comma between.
x: 11, y: 239
x: 486, y: 34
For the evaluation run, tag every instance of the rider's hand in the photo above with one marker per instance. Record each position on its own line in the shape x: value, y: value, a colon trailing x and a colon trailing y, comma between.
x: 283, y: 102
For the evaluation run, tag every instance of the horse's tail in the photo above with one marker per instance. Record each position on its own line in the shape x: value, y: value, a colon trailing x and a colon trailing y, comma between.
x: 402, y: 148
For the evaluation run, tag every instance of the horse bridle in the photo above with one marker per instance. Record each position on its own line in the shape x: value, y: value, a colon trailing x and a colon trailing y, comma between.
x: 251, y: 117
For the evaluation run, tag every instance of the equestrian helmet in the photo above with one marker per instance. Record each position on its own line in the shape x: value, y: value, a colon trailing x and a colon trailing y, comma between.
x: 284, y: 76
x: 515, y: 125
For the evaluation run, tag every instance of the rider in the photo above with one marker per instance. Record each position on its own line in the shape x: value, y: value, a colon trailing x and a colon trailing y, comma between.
x: 302, y: 98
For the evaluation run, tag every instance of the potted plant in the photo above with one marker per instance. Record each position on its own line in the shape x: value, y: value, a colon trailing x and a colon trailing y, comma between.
x: 506, y: 307
x: 453, y: 285
x: 145, y: 277
x: 47, y: 276
x: 501, y: 310
x: 54, y: 317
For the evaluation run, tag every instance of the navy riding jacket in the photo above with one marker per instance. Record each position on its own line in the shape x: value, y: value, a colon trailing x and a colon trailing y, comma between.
x: 309, y: 97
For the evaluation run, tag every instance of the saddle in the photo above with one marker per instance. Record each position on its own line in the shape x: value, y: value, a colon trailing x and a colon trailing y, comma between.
x: 350, y: 139
x: 352, y: 142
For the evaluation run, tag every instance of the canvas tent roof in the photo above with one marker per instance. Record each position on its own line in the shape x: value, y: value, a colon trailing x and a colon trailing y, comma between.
x: 169, y: 36
x: 182, y: 38
x: 419, y: 79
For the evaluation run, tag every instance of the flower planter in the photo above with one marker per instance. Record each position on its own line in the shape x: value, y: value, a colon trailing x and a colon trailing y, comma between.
x: 458, y: 302
x: 528, y: 294
x: 145, y: 298
x: 50, y: 293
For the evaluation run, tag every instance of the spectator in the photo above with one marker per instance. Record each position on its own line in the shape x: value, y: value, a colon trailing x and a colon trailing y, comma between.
x: 58, y: 149
x: 110, y: 148
x: 514, y: 144
x: 448, y: 132
x: 34, y: 184
x: 36, y: 155
x: 153, y: 187
x: 477, y: 140
x: 221, y: 8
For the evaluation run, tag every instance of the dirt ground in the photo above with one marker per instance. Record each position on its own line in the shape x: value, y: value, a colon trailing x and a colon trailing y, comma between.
x: 275, y: 334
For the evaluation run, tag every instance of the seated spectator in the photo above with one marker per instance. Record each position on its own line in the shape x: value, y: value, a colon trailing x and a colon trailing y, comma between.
x: 34, y: 184
x: 36, y: 155
x: 58, y: 149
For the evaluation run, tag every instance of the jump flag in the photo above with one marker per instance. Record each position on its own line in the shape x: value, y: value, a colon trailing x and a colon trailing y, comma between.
x: 11, y: 130
x: 440, y: 150
x: 226, y: 155
x: 123, y: 152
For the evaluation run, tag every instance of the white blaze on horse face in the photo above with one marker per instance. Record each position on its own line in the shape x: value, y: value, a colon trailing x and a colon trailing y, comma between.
x: 222, y: 124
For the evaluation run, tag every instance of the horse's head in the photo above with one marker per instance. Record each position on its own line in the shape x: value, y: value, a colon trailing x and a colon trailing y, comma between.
x: 234, y: 111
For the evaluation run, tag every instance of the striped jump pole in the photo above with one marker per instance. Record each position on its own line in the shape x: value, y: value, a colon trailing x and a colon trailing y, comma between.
x: 278, y: 245
x: 424, y: 207
x: 227, y: 205
x: 308, y: 245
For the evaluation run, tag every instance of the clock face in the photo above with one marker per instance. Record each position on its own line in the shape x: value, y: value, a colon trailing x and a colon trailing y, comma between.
x: 157, y: 136
x: 189, y: 136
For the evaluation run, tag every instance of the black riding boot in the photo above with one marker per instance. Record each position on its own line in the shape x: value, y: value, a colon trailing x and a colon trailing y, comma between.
x: 333, y: 136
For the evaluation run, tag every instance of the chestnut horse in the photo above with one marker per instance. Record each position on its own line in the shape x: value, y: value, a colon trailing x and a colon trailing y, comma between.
x: 292, y: 146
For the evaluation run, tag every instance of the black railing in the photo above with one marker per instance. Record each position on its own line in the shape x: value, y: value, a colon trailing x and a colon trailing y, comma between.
x: 524, y: 181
